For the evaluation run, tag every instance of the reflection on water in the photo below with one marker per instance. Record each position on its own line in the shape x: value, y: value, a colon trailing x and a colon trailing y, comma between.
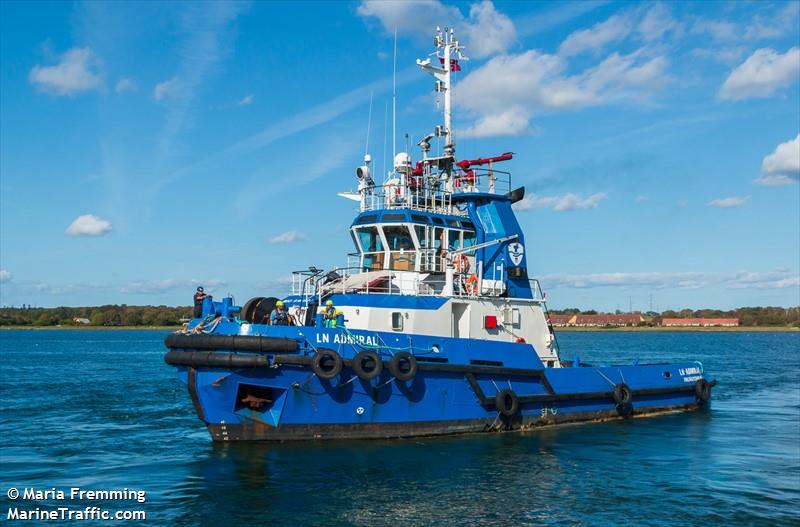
x: 101, y: 410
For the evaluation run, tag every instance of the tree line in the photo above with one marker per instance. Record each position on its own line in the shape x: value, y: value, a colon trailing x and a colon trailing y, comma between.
x: 748, y: 316
x: 110, y: 315
x: 124, y: 315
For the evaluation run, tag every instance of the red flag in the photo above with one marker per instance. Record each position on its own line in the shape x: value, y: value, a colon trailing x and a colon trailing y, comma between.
x: 453, y: 64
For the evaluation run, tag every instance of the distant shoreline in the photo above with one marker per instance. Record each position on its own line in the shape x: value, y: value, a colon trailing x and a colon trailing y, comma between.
x: 678, y: 329
x: 96, y: 328
x: 568, y: 329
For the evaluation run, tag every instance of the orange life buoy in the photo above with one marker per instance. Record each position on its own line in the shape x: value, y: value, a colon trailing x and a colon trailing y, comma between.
x: 472, y: 284
x: 461, y: 263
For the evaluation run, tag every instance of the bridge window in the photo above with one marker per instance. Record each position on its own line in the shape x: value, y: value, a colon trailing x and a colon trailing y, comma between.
x: 371, y: 246
x: 422, y: 236
x: 453, y: 240
x: 398, y: 237
x: 403, y: 255
x: 469, y: 239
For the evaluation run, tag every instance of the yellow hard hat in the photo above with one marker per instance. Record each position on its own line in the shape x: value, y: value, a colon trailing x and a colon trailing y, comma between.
x: 329, y: 303
x: 279, y: 303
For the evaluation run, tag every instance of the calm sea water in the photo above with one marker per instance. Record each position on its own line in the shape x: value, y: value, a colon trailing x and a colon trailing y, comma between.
x: 101, y: 410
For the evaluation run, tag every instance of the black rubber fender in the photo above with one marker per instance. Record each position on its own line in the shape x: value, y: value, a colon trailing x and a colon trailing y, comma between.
x: 230, y: 342
x: 622, y: 394
x: 507, y: 402
x: 369, y: 372
x: 403, y: 366
x: 215, y: 359
x: 326, y: 364
x: 702, y: 391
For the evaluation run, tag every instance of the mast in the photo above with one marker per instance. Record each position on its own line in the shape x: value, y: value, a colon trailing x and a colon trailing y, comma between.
x: 449, y: 52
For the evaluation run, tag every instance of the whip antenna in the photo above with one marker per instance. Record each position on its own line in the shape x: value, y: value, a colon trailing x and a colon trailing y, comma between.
x: 369, y: 124
x: 394, y: 98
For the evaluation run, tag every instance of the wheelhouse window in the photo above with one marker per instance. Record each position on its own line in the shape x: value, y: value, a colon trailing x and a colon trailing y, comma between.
x: 453, y: 240
x: 402, y: 253
x: 469, y: 239
x: 371, y: 247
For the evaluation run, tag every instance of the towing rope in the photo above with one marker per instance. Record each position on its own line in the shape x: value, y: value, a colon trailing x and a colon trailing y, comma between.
x: 352, y: 339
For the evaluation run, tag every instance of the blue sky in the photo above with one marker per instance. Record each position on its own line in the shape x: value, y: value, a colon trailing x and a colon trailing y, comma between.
x: 150, y: 147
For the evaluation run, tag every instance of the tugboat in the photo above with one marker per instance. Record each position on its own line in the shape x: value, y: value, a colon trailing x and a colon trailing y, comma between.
x: 434, y: 327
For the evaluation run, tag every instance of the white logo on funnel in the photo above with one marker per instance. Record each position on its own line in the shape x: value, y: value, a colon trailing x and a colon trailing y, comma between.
x: 515, y: 252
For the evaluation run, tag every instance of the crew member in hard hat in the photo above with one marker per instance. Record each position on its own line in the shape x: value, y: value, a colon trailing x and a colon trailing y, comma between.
x: 279, y: 315
x: 199, y: 296
x: 329, y: 314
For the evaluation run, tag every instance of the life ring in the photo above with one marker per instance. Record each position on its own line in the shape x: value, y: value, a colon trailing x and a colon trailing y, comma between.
x: 507, y: 402
x: 461, y: 263
x: 472, y: 284
x: 622, y: 395
x: 326, y: 364
x: 367, y: 365
x: 702, y: 391
x: 403, y: 366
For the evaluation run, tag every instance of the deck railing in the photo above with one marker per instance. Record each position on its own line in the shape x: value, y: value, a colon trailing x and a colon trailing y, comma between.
x: 425, y: 193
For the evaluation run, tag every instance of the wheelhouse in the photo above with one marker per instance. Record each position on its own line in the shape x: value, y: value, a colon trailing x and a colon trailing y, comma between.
x: 409, y: 240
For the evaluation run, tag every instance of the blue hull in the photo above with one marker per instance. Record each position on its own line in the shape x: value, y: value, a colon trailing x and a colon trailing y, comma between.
x: 275, y: 394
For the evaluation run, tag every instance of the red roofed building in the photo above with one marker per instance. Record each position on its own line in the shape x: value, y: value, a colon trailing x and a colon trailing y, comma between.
x: 561, y: 320
x: 700, y: 322
x: 608, y: 320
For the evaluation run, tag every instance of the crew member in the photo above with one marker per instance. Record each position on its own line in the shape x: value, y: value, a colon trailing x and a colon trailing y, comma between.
x: 199, y: 296
x: 329, y: 315
x: 279, y: 315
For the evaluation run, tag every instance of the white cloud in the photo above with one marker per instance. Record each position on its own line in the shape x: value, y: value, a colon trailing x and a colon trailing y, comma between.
x: 594, y: 39
x: 247, y: 100
x: 657, y: 22
x: 657, y: 280
x: 167, y: 88
x: 762, y: 74
x: 640, y: 198
x: 503, y: 94
x: 782, y: 167
x: 77, y: 71
x: 289, y: 237
x: 485, y: 31
x: 774, y: 26
x: 563, y: 203
x: 88, y: 225
x: 125, y: 85
x: 510, y: 122
x: 5, y: 276
x: 718, y: 30
x: 778, y: 279
x: 727, y: 203
x: 146, y: 287
x: 723, y: 54
x: 759, y: 27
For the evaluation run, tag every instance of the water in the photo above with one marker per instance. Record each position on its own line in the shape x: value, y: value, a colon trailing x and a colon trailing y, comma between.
x: 101, y: 410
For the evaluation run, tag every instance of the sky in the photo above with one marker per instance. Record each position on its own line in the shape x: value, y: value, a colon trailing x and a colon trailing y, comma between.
x: 148, y: 148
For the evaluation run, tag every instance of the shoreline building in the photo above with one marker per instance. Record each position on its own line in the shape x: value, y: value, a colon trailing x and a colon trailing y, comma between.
x: 602, y: 319
x: 700, y: 322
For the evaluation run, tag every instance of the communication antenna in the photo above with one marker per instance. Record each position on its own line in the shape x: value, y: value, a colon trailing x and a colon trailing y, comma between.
x: 369, y: 124
x: 394, y: 98
x: 385, y: 132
